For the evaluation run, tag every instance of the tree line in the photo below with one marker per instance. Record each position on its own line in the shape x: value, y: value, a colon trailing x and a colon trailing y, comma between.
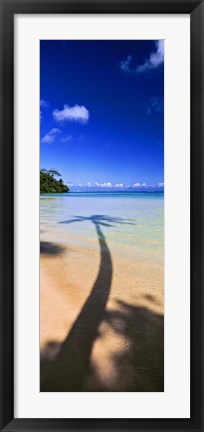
x: 50, y: 184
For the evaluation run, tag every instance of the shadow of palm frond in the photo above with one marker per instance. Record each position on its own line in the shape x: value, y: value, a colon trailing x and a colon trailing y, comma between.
x: 103, y: 220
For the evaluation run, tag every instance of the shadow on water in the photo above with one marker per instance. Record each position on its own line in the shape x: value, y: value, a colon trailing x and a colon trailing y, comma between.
x: 103, y: 220
x: 66, y: 366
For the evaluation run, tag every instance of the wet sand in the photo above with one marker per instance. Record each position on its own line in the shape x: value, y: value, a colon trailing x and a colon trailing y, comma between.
x: 101, y: 320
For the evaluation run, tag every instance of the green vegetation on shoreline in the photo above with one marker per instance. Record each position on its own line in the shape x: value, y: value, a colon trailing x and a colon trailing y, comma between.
x: 49, y: 184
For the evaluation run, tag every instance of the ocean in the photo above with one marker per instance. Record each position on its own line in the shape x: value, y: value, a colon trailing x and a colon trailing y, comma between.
x: 132, y: 223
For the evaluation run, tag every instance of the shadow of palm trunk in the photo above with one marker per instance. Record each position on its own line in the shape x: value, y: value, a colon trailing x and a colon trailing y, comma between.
x: 70, y: 368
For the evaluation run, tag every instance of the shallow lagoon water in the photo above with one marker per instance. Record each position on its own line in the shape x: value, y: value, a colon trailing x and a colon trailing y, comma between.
x: 132, y: 223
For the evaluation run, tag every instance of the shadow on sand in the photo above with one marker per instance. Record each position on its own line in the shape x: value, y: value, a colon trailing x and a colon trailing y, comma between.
x: 48, y: 248
x: 140, y: 367
x: 66, y: 367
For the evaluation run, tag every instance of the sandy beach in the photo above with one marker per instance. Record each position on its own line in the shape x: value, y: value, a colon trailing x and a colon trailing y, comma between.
x: 101, y: 320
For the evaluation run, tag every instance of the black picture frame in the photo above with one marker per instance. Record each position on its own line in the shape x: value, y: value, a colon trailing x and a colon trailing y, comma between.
x: 7, y: 11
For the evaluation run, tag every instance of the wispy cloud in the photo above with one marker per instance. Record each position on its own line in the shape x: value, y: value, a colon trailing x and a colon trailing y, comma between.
x: 161, y: 184
x: 66, y: 138
x: 75, y: 113
x: 125, y: 65
x: 155, y: 59
x: 135, y: 185
x: 154, y: 104
x: 44, y: 103
x: 50, y: 136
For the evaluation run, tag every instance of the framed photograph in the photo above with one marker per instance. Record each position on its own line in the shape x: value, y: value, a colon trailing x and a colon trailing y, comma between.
x: 101, y: 215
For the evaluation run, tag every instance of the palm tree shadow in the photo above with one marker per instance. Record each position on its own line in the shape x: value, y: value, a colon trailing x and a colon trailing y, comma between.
x: 141, y: 365
x: 48, y: 248
x: 65, y: 367
x: 103, y: 220
x: 68, y: 370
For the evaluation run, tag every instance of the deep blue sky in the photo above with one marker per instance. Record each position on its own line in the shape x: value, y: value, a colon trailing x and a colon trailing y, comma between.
x: 102, y: 119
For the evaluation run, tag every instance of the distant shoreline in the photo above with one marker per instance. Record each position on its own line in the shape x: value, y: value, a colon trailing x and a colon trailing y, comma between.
x: 102, y: 192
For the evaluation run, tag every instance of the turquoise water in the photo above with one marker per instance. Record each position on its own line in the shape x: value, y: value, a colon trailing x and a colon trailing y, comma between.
x: 132, y: 223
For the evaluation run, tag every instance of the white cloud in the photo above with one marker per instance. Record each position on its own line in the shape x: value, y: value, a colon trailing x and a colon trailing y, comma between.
x: 66, y: 138
x: 50, y: 136
x: 104, y: 185
x: 116, y: 186
x: 155, y: 59
x: 76, y: 114
x: 44, y: 103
